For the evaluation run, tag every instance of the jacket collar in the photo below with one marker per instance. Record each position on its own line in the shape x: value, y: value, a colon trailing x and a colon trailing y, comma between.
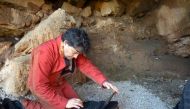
x: 58, y: 42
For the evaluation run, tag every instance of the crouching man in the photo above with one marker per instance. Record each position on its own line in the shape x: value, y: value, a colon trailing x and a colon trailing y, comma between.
x: 54, y: 59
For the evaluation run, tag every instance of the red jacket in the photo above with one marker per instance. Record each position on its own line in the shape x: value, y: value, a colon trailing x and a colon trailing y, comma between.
x: 46, y: 66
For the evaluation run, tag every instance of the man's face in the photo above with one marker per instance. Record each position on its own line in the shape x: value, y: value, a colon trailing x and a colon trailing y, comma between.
x: 69, y: 51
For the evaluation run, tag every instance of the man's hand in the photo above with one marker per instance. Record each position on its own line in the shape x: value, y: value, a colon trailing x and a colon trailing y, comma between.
x: 74, y: 103
x: 108, y: 85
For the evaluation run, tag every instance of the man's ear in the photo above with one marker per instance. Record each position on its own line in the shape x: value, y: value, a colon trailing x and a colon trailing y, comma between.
x: 65, y: 42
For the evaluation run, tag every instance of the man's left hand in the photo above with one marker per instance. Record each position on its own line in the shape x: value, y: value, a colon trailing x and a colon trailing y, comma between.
x: 108, y: 85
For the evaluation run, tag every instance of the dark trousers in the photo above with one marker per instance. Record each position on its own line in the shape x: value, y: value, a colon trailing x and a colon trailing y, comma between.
x: 10, y: 104
x: 184, y: 103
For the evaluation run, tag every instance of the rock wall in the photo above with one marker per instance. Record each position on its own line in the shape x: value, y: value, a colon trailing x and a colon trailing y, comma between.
x: 18, y: 16
x: 50, y: 28
x: 173, y: 25
x: 14, y: 74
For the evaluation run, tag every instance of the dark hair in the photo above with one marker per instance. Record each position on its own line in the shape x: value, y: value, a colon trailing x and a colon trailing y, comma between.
x: 77, y: 38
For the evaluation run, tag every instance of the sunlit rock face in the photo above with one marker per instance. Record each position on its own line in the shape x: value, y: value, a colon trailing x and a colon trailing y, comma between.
x: 49, y: 28
x: 173, y: 24
x: 18, y: 16
x: 14, y: 74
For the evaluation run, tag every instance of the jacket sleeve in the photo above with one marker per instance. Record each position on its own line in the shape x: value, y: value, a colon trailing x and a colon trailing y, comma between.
x: 42, y: 67
x: 90, y: 70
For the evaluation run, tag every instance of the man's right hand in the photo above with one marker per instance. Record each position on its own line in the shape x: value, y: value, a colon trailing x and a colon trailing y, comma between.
x: 74, y: 103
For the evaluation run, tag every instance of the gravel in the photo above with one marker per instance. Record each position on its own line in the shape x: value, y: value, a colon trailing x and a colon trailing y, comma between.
x: 131, y: 96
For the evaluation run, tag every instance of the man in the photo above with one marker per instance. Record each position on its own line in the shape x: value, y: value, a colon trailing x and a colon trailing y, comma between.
x: 54, y: 59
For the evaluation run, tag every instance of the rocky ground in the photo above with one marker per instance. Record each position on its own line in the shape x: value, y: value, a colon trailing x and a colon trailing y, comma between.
x: 131, y: 96
x: 169, y: 91
x: 136, y: 94
x: 139, y: 94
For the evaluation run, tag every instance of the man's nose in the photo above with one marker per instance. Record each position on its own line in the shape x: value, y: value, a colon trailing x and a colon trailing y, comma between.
x: 75, y: 55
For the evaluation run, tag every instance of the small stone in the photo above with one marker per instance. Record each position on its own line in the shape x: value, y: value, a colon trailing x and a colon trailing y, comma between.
x: 71, y: 9
x: 86, y: 12
x: 113, y: 7
x: 46, y: 8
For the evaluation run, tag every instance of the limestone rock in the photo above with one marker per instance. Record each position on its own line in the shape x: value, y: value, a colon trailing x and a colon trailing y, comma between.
x: 86, y: 12
x: 26, y: 3
x: 103, y: 23
x: 113, y: 7
x: 173, y: 25
x: 4, y: 46
x: 170, y: 21
x: 14, y: 21
x: 47, y: 8
x: 97, y: 13
x: 13, y: 75
x: 50, y: 28
x: 181, y: 48
x: 137, y: 8
x: 71, y: 9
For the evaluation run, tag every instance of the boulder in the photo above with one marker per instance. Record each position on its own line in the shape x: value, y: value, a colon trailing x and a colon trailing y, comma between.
x: 4, y: 46
x: 86, y: 12
x: 181, y: 48
x: 113, y: 7
x: 173, y: 25
x: 13, y: 75
x: 103, y: 23
x: 138, y: 8
x: 15, y: 20
x: 170, y: 21
x: 71, y: 9
x: 49, y: 28
x: 31, y: 4
x: 46, y: 8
